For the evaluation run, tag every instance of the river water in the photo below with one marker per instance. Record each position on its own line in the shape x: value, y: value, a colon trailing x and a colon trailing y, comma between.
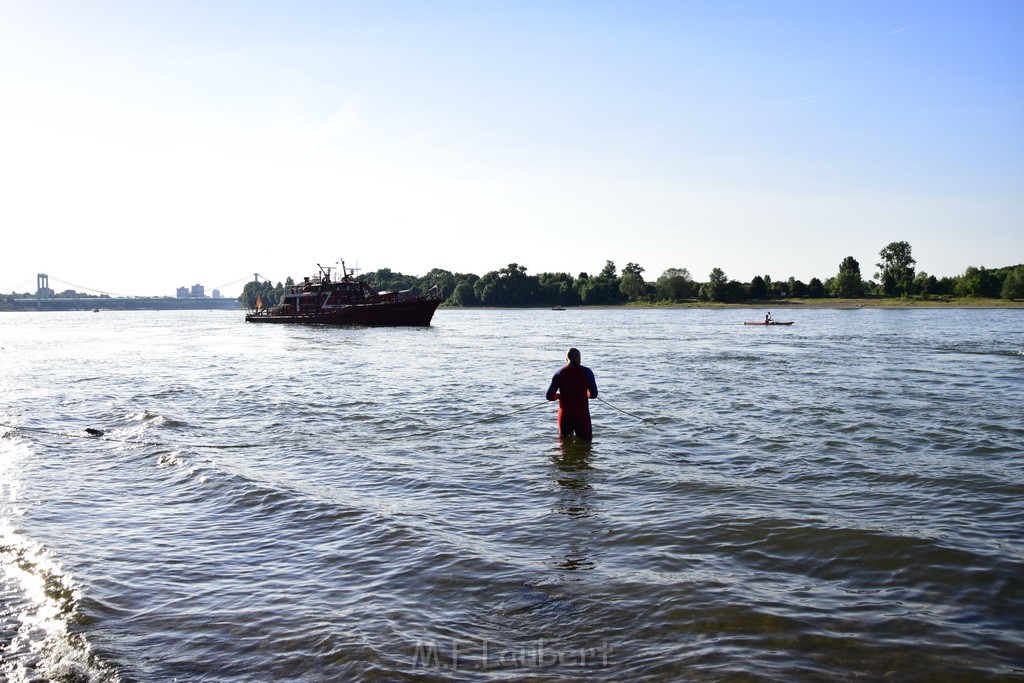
x: 838, y: 499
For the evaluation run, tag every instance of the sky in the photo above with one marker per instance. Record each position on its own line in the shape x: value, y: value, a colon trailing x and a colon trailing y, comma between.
x: 146, y: 146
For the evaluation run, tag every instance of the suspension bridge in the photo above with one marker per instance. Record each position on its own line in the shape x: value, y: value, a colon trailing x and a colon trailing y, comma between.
x: 78, y: 297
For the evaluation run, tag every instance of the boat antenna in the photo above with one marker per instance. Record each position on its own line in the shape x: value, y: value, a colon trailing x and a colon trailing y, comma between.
x: 346, y: 272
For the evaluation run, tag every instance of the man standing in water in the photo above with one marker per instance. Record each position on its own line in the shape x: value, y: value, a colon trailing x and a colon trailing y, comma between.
x: 573, y: 386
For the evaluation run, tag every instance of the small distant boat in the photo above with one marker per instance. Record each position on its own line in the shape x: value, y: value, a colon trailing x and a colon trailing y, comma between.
x: 95, y: 310
x: 771, y: 322
x: 558, y: 308
x: 321, y: 300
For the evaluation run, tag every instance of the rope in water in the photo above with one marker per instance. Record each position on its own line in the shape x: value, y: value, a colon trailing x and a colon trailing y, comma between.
x: 642, y: 419
x: 465, y: 424
x: 99, y: 435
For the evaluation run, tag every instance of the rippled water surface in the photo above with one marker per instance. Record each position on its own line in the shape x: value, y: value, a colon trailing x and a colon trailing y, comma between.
x: 839, y: 499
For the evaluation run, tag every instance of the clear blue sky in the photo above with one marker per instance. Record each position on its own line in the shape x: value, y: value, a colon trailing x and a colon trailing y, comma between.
x: 149, y: 145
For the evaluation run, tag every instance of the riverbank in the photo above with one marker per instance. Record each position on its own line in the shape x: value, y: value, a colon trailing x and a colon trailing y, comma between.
x: 796, y: 304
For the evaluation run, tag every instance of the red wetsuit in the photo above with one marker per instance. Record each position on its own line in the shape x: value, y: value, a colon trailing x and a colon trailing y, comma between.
x: 573, y: 386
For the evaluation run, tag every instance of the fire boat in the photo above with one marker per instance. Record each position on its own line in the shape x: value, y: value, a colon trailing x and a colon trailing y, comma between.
x: 323, y: 300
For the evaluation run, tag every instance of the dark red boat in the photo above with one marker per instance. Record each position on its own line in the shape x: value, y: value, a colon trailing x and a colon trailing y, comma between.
x: 320, y: 300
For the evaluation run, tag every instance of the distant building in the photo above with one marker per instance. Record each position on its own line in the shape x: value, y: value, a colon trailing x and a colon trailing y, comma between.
x: 196, y: 292
x: 216, y: 294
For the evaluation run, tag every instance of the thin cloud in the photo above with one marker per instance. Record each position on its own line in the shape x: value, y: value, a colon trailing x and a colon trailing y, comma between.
x: 343, y: 121
x: 795, y: 103
x: 471, y: 141
x: 402, y: 143
x: 907, y: 28
x: 625, y: 149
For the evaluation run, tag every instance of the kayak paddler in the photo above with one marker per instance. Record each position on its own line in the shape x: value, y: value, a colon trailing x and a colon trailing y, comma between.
x: 573, y: 385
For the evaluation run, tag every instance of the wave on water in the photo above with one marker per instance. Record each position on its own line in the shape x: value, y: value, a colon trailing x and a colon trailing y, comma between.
x: 148, y: 419
x: 841, y: 500
x: 985, y: 348
x: 40, y: 618
x: 41, y: 625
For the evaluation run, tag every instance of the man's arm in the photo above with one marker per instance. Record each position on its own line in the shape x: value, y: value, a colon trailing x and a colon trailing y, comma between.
x: 553, y: 389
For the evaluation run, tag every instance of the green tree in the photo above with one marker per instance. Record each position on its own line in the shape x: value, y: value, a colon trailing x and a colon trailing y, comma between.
x: 567, y: 295
x: 268, y: 294
x: 1013, y: 285
x: 796, y: 287
x: 896, y: 270
x: 924, y: 284
x: 632, y: 284
x: 386, y: 280
x: 848, y: 282
x: 248, y: 296
x: 595, y: 292
x: 716, y: 288
x: 444, y: 280
x: 558, y: 289
x: 600, y: 289
x: 758, y: 288
x: 734, y: 291
x: 978, y: 282
x: 815, y: 289
x: 510, y: 286
x: 580, y: 285
x: 462, y: 295
x: 946, y: 285
x: 675, y: 284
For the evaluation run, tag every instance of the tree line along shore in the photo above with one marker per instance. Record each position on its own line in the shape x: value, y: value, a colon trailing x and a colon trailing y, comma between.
x: 896, y: 283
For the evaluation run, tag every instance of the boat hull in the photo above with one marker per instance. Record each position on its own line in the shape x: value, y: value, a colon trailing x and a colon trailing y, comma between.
x: 771, y: 323
x: 416, y: 313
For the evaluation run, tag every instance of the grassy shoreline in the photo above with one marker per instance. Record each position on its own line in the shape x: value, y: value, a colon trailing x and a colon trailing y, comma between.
x: 796, y: 304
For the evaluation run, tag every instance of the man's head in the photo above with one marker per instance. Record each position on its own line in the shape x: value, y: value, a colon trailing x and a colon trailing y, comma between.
x: 573, y: 356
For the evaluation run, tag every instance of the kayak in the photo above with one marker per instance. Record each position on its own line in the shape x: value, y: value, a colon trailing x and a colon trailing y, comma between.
x: 771, y: 323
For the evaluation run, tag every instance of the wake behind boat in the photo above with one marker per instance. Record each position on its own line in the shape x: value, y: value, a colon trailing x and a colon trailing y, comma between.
x: 321, y: 300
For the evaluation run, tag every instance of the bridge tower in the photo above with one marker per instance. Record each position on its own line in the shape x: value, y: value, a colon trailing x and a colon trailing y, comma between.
x: 42, y: 283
